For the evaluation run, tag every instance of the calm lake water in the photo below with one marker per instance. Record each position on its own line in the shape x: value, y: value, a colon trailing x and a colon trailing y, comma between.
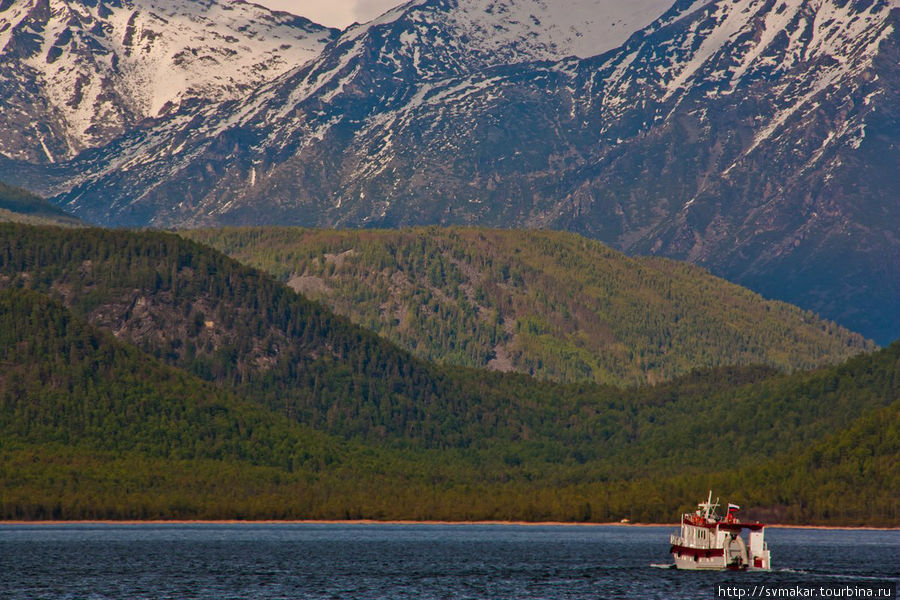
x: 254, y: 561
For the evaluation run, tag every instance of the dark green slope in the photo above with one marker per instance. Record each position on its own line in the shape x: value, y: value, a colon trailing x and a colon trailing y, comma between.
x: 776, y: 416
x: 65, y: 382
x: 849, y: 477
x: 724, y: 419
x: 234, y: 326
x: 21, y: 206
x: 194, y: 308
x: 94, y: 427
x: 91, y: 427
x: 551, y: 304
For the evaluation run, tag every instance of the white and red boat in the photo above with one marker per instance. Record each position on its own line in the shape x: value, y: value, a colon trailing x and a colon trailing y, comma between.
x: 709, y: 541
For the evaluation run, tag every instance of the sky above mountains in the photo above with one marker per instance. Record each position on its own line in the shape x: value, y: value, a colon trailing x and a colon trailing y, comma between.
x: 333, y: 13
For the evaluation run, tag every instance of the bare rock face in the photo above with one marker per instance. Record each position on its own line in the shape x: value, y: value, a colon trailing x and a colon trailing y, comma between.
x: 758, y: 138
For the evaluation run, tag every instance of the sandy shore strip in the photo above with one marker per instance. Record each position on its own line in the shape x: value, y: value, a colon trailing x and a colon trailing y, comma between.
x: 328, y: 522
x: 375, y: 522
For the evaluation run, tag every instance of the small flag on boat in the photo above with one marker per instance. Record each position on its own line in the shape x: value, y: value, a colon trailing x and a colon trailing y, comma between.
x: 733, y: 507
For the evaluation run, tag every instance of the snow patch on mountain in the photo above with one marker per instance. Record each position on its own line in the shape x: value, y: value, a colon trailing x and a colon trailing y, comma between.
x: 540, y: 30
x: 435, y: 48
x: 105, y: 66
x: 407, y: 74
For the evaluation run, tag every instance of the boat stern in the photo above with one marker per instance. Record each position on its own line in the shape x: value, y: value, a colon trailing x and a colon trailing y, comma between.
x: 760, y: 559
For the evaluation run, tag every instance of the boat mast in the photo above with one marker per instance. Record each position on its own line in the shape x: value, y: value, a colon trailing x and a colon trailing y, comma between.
x: 707, y: 509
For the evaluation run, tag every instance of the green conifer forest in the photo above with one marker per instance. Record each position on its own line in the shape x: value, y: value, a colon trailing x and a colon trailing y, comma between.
x: 143, y: 375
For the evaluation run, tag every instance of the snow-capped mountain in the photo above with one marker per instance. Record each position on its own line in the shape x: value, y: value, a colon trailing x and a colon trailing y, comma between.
x: 478, y: 33
x: 78, y: 74
x: 756, y: 137
x: 394, y: 64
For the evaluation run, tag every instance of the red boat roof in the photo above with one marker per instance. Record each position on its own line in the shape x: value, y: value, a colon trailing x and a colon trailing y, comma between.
x: 737, y: 526
x: 728, y: 525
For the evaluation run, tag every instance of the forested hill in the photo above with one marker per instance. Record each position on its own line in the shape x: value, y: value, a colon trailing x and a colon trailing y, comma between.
x: 194, y: 308
x: 21, y: 206
x: 272, y: 407
x: 551, y: 304
x: 66, y: 382
x: 93, y: 428
x: 232, y: 325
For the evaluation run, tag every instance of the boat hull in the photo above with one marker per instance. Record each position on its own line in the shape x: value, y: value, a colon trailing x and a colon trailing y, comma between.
x: 698, y: 559
x: 702, y: 563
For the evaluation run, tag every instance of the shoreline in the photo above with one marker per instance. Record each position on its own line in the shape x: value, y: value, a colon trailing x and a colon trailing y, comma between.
x: 132, y: 522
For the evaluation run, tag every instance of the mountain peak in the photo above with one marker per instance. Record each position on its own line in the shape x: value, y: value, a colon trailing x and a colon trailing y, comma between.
x: 96, y: 69
x: 494, y: 32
